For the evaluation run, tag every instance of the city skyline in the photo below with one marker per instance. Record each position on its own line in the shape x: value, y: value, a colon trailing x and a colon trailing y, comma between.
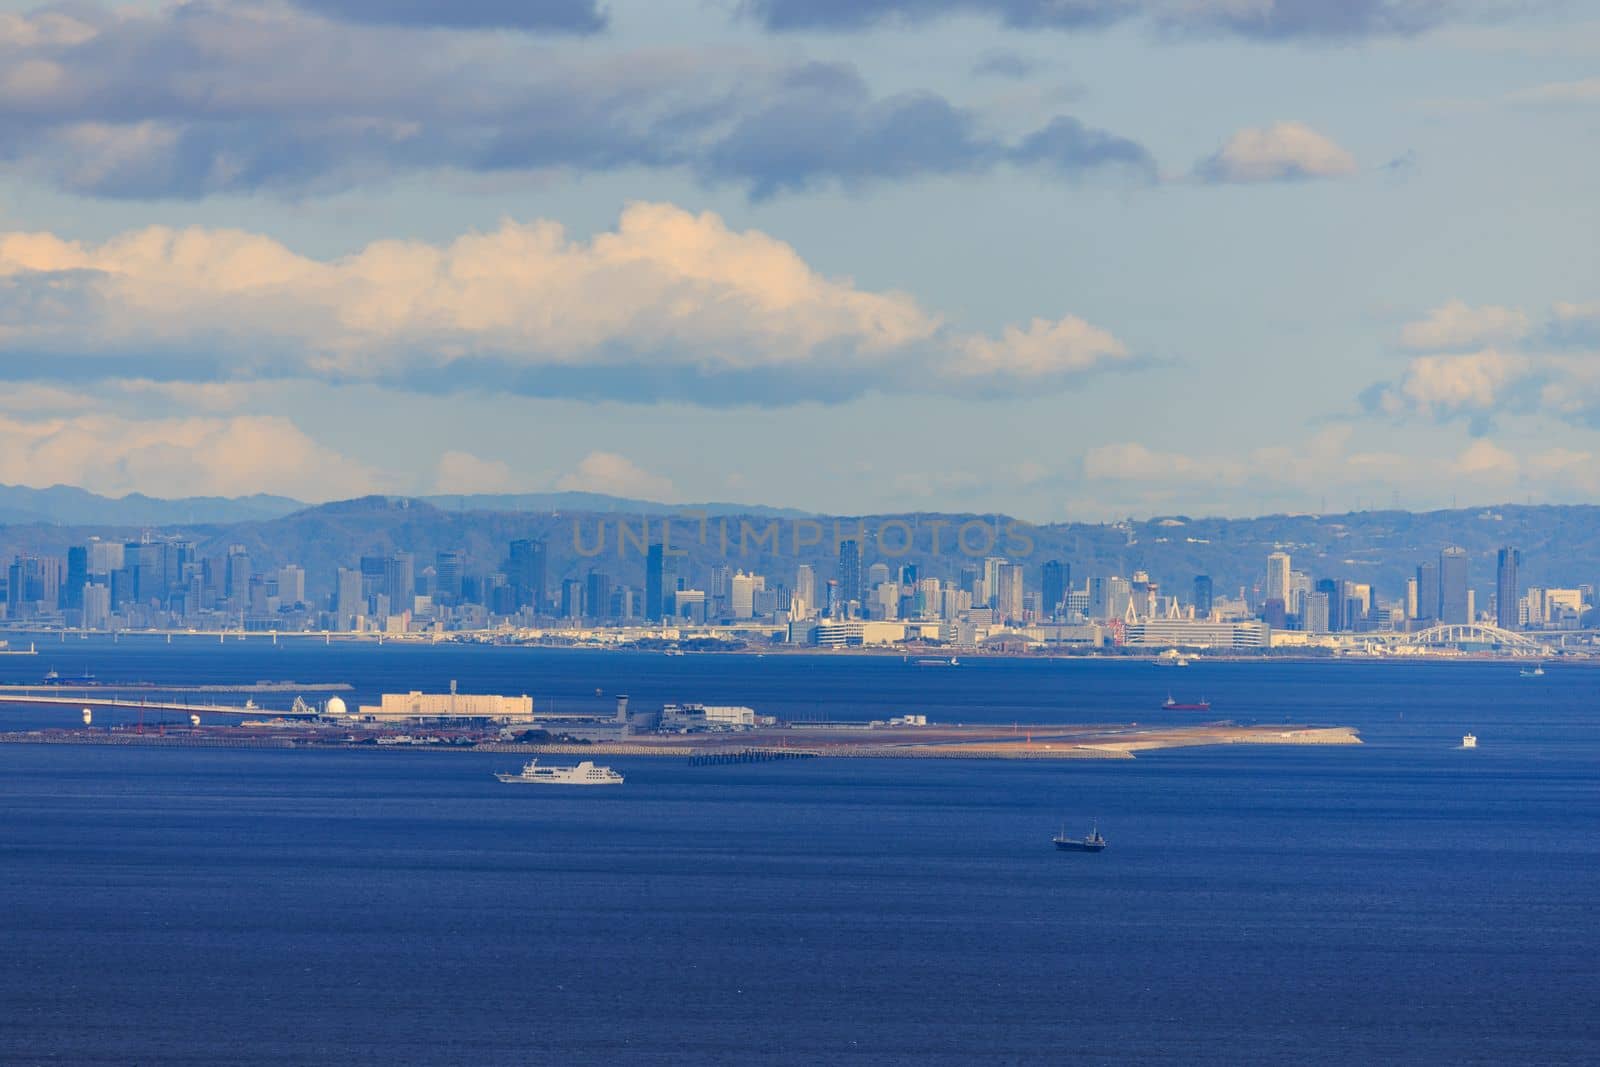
x: 781, y: 238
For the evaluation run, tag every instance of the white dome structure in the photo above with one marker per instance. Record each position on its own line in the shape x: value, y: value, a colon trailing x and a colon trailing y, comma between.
x: 336, y: 707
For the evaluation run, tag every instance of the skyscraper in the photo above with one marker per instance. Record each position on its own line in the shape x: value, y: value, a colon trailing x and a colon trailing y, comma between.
x: 1453, y: 605
x: 1505, y: 587
x: 1008, y: 593
x: 1202, y: 596
x: 1057, y: 576
x: 400, y: 581
x: 1278, y: 578
x: 660, y: 582
x: 597, y: 595
x: 448, y: 569
x: 77, y: 577
x: 525, y: 570
x: 849, y: 570
x: 805, y: 589
x: 1333, y: 589
x: 1427, y: 593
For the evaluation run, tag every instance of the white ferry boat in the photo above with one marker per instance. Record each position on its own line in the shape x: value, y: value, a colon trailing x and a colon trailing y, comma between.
x: 585, y: 773
x: 1469, y: 741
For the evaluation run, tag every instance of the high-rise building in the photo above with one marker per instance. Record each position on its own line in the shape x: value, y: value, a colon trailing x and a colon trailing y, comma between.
x: 850, y: 570
x: 400, y: 581
x: 1057, y: 579
x: 660, y: 582
x: 349, y: 602
x: 77, y: 577
x: 1008, y: 593
x: 597, y: 595
x: 1202, y: 596
x: 805, y: 590
x: 1427, y: 593
x: 1505, y: 587
x: 236, y: 585
x: 742, y: 593
x: 1315, y: 620
x: 449, y: 568
x: 571, y: 598
x: 1278, y: 581
x: 1333, y: 589
x: 291, y: 586
x: 525, y: 570
x: 1454, y: 604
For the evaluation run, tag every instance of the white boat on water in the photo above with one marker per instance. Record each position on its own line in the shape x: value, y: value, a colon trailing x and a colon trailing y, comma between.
x: 1469, y: 741
x: 585, y: 773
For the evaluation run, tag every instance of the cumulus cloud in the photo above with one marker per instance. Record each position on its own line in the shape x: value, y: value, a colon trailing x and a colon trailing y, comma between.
x: 176, y: 457
x: 199, y: 99
x: 1256, y: 19
x: 1284, y: 151
x: 668, y: 304
x: 1457, y: 325
x: 607, y: 472
x: 1526, y: 367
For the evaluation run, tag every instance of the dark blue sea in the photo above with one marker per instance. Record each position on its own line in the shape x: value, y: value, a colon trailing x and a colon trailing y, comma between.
x: 1403, y: 901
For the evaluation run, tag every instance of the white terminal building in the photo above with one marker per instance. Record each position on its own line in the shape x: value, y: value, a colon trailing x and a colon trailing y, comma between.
x: 418, y: 705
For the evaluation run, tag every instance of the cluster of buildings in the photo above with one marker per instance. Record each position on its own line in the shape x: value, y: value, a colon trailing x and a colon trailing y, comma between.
x: 978, y: 602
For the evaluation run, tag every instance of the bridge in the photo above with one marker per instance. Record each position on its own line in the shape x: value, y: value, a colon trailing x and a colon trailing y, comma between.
x: 1462, y: 633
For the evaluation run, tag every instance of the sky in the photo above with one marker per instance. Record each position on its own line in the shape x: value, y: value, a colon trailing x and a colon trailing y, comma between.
x: 1063, y: 259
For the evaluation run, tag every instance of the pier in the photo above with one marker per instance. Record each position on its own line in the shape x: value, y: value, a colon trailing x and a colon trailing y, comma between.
x: 750, y: 755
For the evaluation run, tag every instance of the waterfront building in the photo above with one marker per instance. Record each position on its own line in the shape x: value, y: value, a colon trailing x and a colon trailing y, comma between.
x: 1202, y: 596
x: 1315, y: 620
x: 451, y: 705
x: 850, y: 571
x: 1278, y: 578
x: 660, y: 581
x: 1505, y: 586
x: 805, y: 601
x: 1455, y: 604
x: 1427, y: 593
x: 597, y: 595
x: 1008, y: 592
x: 525, y: 570
x: 1197, y: 633
x: 1057, y: 579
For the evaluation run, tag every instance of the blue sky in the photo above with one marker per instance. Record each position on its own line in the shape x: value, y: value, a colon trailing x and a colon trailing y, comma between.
x: 1066, y: 260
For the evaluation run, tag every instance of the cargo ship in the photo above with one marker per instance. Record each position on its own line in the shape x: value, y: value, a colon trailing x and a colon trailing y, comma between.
x: 1172, y: 705
x: 1093, y: 843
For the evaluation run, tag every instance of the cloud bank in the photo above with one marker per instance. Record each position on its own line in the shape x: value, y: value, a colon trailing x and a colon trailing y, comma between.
x: 1267, y: 20
x: 198, y: 100
x: 668, y: 305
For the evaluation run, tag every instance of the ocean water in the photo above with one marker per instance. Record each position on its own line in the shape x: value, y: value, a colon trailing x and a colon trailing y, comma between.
x: 1400, y: 901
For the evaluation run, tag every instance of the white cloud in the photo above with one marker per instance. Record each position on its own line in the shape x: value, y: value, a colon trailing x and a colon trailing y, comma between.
x: 1284, y: 151
x: 177, y: 457
x: 607, y: 472
x: 1458, y: 325
x: 668, y: 303
x: 1044, y: 351
x: 1449, y: 384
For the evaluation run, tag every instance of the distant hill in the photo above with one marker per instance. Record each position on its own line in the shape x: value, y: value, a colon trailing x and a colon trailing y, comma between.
x: 594, y: 502
x: 67, y: 505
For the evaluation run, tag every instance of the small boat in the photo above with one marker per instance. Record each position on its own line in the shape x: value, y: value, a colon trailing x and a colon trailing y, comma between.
x: 1469, y: 740
x: 929, y: 662
x: 1536, y: 671
x: 1172, y: 705
x: 1093, y: 843
x: 585, y: 773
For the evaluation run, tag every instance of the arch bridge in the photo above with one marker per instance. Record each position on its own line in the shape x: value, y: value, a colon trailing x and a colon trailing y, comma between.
x: 1465, y: 633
